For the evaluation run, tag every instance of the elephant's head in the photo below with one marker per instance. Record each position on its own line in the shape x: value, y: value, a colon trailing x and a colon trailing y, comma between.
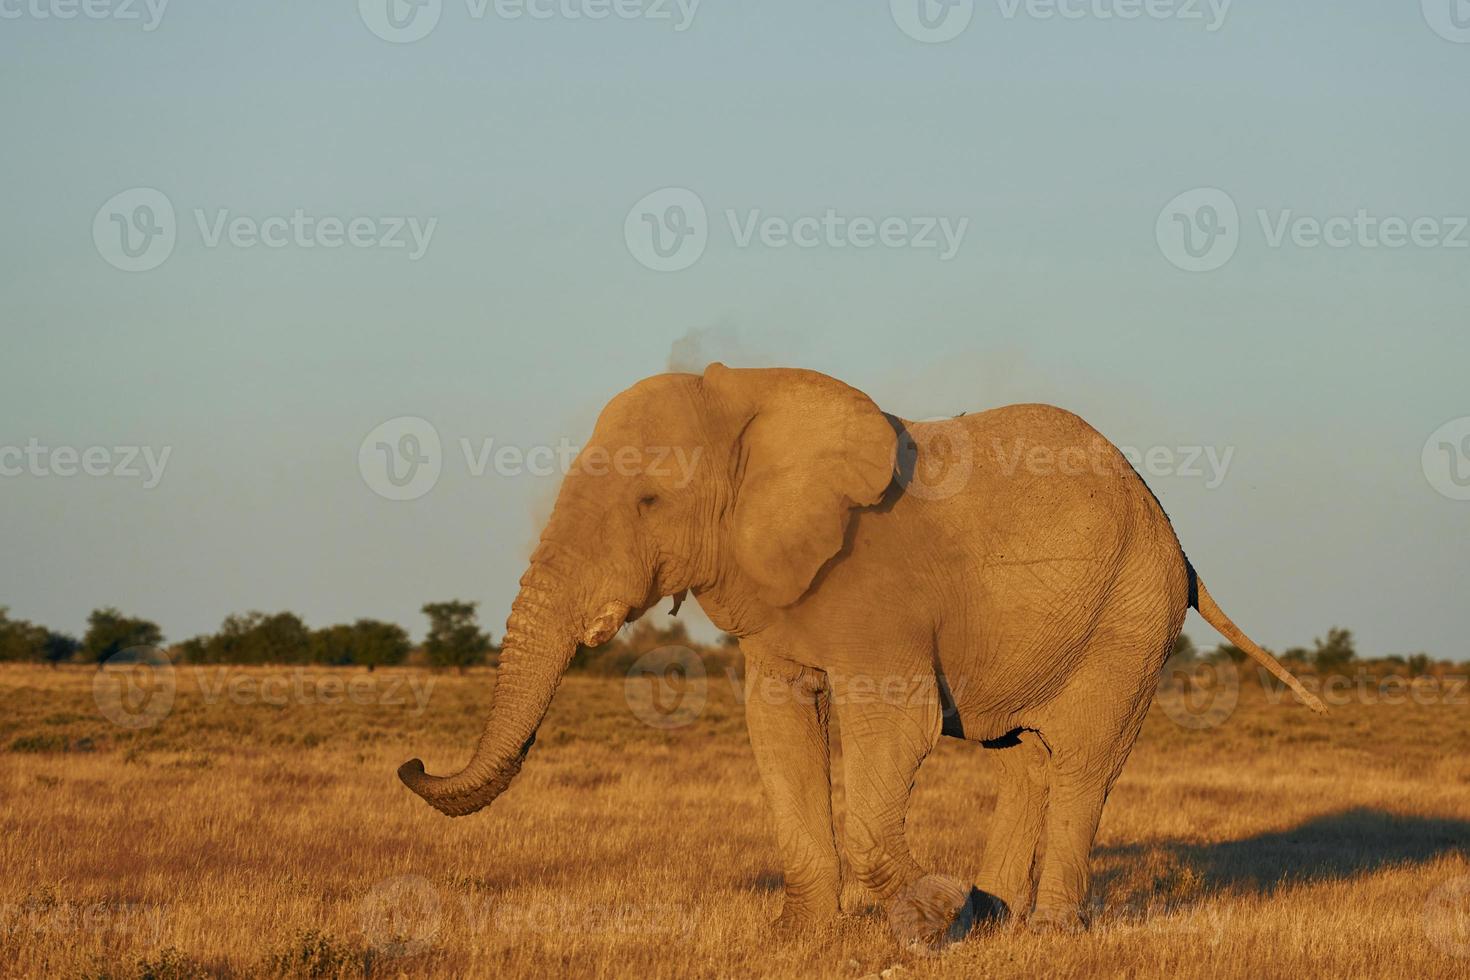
x: 740, y: 481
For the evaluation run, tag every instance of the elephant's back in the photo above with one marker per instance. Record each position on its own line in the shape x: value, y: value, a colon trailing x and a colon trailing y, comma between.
x: 1038, y: 518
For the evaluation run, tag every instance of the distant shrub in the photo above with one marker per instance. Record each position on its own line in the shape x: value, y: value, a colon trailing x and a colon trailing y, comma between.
x: 367, y: 643
x: 253, y: 638
x: 1184, y: 648
x: 617, y: 656
x: 109, y: 633
x: 454, y: 639
x: 20, y: 640
x: 1335, y: 652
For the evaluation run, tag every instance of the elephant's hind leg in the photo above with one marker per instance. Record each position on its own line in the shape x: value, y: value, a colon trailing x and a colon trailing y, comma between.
x: 1088, y: 753
x: 1008, y: 867
x: 786, y: 707
x: 885, y: 736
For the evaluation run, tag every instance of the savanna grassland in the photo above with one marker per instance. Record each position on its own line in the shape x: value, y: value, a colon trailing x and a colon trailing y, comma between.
x: 256, y: 828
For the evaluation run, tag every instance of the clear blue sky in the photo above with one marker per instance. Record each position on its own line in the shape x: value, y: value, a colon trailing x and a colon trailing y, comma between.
x: 1060, y: 140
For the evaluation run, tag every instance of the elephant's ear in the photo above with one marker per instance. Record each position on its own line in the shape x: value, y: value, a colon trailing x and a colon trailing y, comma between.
x: 807, y: 450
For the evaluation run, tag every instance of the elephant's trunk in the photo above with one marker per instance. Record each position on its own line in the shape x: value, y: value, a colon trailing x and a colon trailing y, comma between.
x: 540, y: 637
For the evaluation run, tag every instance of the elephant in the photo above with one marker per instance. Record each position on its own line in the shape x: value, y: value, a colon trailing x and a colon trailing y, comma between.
x: 1003, y: 577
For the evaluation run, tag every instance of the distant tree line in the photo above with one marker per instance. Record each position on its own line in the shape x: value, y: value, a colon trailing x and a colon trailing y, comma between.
x: 1335, y: 653
x: 454, y: 640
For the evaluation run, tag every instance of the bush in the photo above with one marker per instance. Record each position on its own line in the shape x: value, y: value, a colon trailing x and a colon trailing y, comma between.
x: 454, y: 638
x: 20, y: 640
x: 109, y: 633
x: 367, y: 643
x: 253, y: 638
x: 1335, y: 652
x: 616, y: 657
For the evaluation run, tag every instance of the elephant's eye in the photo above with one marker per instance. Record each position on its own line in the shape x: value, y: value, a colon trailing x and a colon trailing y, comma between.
x: 646, y: 502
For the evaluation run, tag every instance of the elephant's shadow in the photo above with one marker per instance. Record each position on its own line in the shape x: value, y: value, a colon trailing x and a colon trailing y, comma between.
x: 1143, y: 877
x: 1332, y: 847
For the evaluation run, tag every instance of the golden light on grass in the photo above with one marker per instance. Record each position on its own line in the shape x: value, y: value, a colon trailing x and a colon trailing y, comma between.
x: 257, y: 828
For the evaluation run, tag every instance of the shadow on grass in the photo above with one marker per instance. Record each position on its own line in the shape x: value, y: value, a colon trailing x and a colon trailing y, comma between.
x: 1332, y: 847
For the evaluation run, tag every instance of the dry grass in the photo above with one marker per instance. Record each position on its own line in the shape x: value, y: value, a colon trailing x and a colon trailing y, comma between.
x: 239, y: 836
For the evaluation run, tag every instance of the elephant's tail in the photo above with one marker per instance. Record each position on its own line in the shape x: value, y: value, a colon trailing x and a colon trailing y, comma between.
x: 1199, y: 598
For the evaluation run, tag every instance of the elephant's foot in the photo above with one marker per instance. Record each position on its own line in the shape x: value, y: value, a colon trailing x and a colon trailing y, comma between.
x: 1053, y: 920
x: 798, y: 921
x: 934, y: 912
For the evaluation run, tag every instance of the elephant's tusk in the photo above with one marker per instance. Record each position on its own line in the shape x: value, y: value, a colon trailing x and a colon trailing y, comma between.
x: 608, y: 622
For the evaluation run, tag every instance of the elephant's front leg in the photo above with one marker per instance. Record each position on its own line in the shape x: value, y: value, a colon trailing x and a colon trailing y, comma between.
x: 786, y: 708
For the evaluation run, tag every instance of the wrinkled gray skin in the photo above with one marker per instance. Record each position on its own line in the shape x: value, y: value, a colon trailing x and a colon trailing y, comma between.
x: 1004, y: 577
